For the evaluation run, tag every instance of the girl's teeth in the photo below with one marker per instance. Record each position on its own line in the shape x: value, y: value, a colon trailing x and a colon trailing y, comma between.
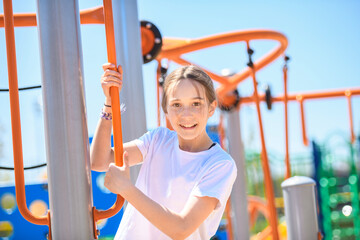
x: 188, y: 126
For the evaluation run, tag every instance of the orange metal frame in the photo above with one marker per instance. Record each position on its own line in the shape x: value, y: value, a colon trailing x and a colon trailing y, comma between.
x: 301, y: 97
x: 9, y: 20
x: 115, y: 103
x: 15, y: 118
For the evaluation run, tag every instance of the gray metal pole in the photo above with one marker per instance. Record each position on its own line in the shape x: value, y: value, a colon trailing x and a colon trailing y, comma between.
x: 129, y: 55
x: 238, y: 195
x: 300, y: 208
x: 67, y: 146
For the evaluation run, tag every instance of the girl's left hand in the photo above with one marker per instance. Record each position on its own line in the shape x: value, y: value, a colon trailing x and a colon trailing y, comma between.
x: 117, y: 179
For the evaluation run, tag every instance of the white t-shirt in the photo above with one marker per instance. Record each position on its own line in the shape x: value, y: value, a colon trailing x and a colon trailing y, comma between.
x: 169, y: 176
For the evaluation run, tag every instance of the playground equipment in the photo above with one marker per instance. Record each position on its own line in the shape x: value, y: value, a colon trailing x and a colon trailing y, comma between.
x: 172, y: 50
x: 338, y: 189
x: 69, y: 173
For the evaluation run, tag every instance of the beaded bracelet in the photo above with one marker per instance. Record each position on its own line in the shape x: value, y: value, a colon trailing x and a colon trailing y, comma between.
x: 105, y: 115
x: 108, y: 115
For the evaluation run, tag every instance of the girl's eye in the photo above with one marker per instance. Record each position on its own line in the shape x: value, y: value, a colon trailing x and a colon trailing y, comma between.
x: 196, y: 104
x: 176, y: 105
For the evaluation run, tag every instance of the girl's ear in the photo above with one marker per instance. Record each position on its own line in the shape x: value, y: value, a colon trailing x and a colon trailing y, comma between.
x: 212, y: 108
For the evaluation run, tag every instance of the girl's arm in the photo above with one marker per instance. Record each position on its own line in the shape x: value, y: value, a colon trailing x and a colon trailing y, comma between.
x: 175, y: 225
x: 101, y: 153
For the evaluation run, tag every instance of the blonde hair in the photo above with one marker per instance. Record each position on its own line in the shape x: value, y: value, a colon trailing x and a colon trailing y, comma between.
x: 193, y: 73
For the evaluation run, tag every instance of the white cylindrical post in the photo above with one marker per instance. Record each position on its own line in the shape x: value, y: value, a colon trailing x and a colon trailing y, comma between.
x: 300, y: 208
x: 129, y: 55
x: 67, y: 143
x: 238, y: 195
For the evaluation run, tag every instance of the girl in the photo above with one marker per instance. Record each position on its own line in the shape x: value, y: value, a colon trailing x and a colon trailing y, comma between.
x: 185, y: 178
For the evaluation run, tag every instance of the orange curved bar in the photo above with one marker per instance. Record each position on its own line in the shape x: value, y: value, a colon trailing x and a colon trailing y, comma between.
x: 287, y: 155
x: 257, y: 204
x: 269, y: 190
x: 115, y: 103
x: 173, y: 48
x: 15, y: 119
x: 88, y: 16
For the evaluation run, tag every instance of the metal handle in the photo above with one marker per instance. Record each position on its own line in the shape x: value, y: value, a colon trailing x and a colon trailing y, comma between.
x: 15, y: 119
x: 115, y: 103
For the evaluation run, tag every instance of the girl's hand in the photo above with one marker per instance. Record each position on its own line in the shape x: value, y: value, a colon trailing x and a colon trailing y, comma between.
x: 117, y: 179
x: 112, y: 77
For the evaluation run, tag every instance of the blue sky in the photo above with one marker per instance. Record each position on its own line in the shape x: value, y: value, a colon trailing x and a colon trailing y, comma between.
x: 323, y: 45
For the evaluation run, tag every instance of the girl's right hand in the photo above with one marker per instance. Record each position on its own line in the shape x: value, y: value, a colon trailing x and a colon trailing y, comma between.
x: 112, y: 77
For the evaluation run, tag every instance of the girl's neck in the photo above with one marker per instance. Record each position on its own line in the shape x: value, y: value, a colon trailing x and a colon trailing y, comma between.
x: 199, y: 144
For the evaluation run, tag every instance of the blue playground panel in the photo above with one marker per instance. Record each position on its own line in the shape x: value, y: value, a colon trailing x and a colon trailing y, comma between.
x: 22, y: 229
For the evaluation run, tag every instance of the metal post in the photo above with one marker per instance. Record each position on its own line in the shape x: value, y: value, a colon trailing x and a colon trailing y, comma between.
x: 300, y: 208
x: 238, y: 195
x: 129, y: 55
x: 67, y: 146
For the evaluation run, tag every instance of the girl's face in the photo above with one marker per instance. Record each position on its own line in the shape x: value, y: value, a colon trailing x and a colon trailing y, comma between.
x: 188, y: 109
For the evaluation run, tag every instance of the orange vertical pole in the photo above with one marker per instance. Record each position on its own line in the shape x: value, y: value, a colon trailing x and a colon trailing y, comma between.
x: 348, y: 96
x: 158, y: 75
x: 221, y: 132
x: 229, y: 227
x: 300, y: 98
x: 287, y: 157
x: 15, y: 118
x: 269, y: 190
x: 114, y: 91
x: 115, y: 103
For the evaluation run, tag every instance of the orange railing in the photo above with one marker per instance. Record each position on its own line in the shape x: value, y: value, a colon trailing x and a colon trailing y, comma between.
x: 301, y: 97
x: 90, y: 16
x: 15, y: 120
x: 287, y: 157
x: 116, y: 114
x: 269, y: 190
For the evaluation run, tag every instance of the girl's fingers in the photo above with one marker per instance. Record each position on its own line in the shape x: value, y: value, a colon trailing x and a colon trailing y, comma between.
x: 111, y: 84
x: 110, y: 66
x: 109, y: 72
x: 120, y: 70
x: 111, y: 79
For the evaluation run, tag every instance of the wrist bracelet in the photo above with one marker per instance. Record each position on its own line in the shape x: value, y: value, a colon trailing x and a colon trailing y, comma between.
x: 105, y: 115
x: 108, y: 115
x: 107, y: 105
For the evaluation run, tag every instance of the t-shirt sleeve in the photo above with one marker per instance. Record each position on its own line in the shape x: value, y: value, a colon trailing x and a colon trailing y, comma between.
x: 217, y: 182
x: 144, y: 142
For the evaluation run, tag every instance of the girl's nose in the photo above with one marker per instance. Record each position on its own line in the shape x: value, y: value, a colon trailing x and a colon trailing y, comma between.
x: 186, y: 111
